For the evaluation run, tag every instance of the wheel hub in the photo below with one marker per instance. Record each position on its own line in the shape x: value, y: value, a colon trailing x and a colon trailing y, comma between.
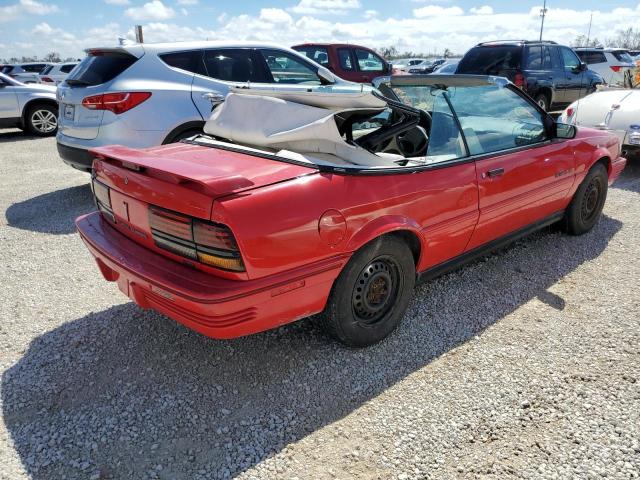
x: 375, y: 291
x: 590, y: 200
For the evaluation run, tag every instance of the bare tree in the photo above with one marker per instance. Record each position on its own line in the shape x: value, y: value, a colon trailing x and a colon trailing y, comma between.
x: 52, y: 57
x: 628, y: 38
x: 583, y: 41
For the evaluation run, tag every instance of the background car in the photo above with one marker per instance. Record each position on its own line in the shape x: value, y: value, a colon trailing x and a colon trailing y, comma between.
x: 615, y: 110
x: 553, y: 75
x: 426, y: 68
x: 142, y: 95
x: 350, y: 62
x: 25, y: 72
x: 54, y: 74
x: 405, y: 63
x: 613, y: 64
x: 29, y: 107
x: 447, y: 68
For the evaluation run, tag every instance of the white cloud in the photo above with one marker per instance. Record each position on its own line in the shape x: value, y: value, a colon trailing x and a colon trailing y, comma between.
x: 369, y: 14
x: 457, y: 32
x: 117, y: 2
x: 184, y: 11
x: 275, y: 15
x: 28, y: 7
x: 154, y: 10
x: 437, y: 11
x: 187, y: 2
x: 483, y: 10
x: 325, y: 7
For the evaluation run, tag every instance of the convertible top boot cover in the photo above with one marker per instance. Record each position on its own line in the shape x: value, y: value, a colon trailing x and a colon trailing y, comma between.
x: 262, y: 121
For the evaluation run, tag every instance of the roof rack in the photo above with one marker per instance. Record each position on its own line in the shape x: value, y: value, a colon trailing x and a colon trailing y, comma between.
x: 516, y: 41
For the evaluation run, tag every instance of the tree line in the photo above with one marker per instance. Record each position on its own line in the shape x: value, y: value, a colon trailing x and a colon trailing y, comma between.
x: 629, y: 39
x: 53, y: 57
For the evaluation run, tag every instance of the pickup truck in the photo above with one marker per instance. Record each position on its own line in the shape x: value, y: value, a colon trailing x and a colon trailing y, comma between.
x: 350, y: 62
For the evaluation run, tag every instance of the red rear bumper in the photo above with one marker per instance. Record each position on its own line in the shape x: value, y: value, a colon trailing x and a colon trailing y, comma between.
x: 214, y: 306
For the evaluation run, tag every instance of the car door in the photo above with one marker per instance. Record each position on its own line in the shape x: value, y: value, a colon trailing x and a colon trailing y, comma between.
x: 9, y: 107
x: 523, y: 175
x: 347, y: 65
x: 573, y: 74
x: 369, y: 65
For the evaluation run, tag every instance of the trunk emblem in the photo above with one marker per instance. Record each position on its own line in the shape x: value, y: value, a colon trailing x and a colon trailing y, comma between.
x: 126, y: 180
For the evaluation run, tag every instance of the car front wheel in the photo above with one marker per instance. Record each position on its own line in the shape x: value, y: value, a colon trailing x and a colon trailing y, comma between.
x: 371, y: 294
x: 543, y: 101
x: 42, y: 120
x: 587, y: 203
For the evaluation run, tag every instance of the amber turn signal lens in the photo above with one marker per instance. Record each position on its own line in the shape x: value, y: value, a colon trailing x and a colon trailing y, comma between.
x: 234, y: 264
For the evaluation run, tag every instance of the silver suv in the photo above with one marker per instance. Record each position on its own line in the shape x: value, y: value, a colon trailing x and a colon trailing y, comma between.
x: 30, y: 107
x: 143, y: 95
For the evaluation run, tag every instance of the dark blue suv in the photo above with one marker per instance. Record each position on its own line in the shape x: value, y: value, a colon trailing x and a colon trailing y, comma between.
x: 553, y: 75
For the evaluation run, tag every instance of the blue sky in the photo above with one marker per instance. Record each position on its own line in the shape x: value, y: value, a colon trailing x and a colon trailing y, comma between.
x: 35, y: 27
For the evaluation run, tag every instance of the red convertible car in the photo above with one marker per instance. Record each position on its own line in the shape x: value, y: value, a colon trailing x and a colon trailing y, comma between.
x: 297, y: 206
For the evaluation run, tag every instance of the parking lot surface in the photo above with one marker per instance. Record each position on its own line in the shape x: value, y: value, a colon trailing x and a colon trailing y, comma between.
x: 525, y: 364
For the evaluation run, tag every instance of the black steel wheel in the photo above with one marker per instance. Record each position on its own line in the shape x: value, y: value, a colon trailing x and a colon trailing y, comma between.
x: 371, y: 294
x: 587, y: 203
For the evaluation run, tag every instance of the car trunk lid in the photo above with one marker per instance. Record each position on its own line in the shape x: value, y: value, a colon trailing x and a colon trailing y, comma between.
x: 182, y: 178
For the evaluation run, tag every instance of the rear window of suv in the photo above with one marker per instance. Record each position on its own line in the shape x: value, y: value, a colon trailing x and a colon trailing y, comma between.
x: 490, y: 59
x: 622, y: 56
x: 100, y: 67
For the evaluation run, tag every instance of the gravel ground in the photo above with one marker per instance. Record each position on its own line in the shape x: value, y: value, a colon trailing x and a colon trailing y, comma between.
x: 523, y: 365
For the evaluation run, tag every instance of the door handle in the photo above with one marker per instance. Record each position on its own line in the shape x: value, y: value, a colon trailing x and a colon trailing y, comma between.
x: 496, y: 172
x: 214, y: 97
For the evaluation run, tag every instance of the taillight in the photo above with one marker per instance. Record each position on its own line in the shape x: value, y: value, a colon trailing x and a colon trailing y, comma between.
x: 615, y: 68
x: 103, y: 199
x: 209, y: 243
x: 569, y: 112
x: 519, y: 80
x: 117, y: 103
x: 47, y: 79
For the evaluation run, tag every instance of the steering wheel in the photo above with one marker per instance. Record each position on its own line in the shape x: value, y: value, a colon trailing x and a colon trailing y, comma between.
x: 413, y: 143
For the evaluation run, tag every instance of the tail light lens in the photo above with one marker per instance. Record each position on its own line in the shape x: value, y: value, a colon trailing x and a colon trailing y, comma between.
x: 117, y: 103
x: 209, y: 243
x: 47, y: 79
x: 615, y: 68
x: 519, y: 81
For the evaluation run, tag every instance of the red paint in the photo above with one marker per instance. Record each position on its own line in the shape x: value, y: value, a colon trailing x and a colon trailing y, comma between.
x: 297, y: 227
x: 355, y: 74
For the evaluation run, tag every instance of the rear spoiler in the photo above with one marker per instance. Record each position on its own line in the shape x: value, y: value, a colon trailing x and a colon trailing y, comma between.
x: 204, y: 179
x: 135, y: 49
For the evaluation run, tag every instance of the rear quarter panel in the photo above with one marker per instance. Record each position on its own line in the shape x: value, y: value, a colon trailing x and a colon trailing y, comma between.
x: 277, y: 227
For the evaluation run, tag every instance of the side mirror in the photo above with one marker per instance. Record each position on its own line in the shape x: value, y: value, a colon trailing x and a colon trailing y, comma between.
x: 582, y: 67
x: 565, y: 131
x: 326, y: 76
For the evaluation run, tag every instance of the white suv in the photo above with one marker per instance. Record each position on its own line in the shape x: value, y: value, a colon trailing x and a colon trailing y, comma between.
x: 143, y: 95
x: 54, y: 74
x: 613, y: 64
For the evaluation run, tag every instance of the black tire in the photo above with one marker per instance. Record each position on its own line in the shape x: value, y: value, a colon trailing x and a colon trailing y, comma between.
x: 42, y: 120
x: 371, y: 294
x: 183, y: 135
x: 587, y: 203
x: 543, y: 101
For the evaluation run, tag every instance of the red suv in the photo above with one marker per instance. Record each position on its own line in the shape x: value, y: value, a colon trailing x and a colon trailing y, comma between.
x: 350, y: 62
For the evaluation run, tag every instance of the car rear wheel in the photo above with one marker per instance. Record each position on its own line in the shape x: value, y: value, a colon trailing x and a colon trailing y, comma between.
x: 42, y: 120
x: 587, y: 203
x: 371, y: 294
x: 543, y: 101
